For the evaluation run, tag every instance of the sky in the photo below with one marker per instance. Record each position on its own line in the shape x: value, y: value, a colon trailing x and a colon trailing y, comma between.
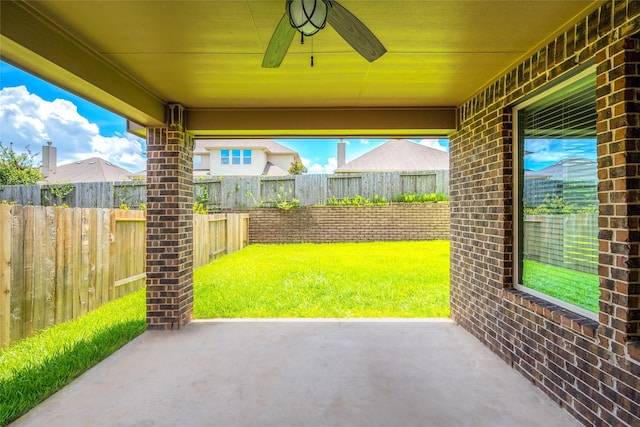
x: 542, y: 153
x: 33, y: 112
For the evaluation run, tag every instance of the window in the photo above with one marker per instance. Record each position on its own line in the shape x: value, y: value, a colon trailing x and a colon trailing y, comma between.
x: 235, y: 157
x: 197, y: 161
x: 558, y: 195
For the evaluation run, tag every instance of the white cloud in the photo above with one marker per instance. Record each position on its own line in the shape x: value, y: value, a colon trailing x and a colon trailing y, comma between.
x: 28, y: 120
x: 305, y: 161
x: 330, y: 167
x: 433, y: 143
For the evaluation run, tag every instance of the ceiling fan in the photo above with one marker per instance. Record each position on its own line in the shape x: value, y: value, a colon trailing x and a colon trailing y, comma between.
x: 309, y: 17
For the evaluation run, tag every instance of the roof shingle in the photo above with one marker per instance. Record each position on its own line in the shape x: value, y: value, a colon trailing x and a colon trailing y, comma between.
x: 398, y: 155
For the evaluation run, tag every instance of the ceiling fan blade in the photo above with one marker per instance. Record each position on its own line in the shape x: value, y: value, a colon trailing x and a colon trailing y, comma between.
x: 279, y: 43
x: 355, y: 32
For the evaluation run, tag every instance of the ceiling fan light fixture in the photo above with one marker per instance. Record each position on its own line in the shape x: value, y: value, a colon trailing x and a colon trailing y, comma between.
x: 308, y: 16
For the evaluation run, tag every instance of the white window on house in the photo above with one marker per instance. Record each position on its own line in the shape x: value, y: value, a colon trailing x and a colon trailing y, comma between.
x: 197, y: 161
x: 557, y: 201
x: 235, y: 157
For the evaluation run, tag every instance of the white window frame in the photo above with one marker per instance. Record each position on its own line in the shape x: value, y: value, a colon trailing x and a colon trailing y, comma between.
x: 517, y: 197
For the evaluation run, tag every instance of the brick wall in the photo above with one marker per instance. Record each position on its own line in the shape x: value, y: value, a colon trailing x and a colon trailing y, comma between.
x: 326, y: 224
x: 591, y: 368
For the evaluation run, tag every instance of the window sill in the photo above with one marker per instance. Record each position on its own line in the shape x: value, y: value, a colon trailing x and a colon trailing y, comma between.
x: 568, y: 319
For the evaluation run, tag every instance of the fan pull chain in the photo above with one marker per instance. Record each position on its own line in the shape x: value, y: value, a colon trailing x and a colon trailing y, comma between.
x: 302, y: 42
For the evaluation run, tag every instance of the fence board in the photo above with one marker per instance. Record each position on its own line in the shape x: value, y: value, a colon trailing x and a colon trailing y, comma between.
x: 18, y: 271
x: 76, y: 262
x: 200, y: 249
x: 61, y: 239
x: 30, y: 291
x: 111, y: 253
x: 99, y: 266
x: 5, y: 274
x: 71, y: 260
x: 48, y: 264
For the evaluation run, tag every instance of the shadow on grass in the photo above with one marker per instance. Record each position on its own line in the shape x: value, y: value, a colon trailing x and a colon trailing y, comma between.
x: 27, y: 387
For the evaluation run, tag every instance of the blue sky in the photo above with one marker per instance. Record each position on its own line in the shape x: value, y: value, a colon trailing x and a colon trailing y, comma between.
x: 546, y: 152
x: 33, y: 112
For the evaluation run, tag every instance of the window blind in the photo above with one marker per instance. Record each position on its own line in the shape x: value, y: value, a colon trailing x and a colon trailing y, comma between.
x: 569, y: 113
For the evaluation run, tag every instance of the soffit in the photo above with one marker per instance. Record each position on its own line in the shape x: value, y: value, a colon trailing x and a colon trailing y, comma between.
x: 207, y: 54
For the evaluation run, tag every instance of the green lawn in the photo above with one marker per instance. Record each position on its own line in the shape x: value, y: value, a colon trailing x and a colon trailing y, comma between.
x: 36, y: 367
x: 574, y: 287
x: 381, y: 279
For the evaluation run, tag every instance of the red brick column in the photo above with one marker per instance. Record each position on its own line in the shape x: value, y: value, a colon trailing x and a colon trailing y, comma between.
x: 169, y: 224
x: 619, y: 193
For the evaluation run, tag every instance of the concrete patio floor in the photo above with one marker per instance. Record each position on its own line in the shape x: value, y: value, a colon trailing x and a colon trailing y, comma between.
x: 302, y: 373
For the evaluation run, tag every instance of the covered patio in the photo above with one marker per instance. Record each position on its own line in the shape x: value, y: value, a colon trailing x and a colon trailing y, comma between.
x: 179, y: 71
x: 302, y: 373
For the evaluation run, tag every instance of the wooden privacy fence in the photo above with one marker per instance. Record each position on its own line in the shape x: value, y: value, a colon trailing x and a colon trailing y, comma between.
x: 80, y: 195
x: 57, y: 264
x: 569, y: 241
x: 315, y: 189
x: 218, y: 234
x: 239, y: 192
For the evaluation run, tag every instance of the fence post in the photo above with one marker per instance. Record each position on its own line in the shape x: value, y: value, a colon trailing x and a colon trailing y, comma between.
x: 5, y: 274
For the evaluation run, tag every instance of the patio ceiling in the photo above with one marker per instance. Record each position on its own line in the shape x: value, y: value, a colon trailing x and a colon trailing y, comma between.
x: 133, y: 57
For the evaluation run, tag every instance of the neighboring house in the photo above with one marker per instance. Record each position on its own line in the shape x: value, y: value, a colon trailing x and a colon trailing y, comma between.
x: 93, y: 169
x: 398, y: 155
x: 234, y: 157
x: 574, y: 180
x: 571, y: 168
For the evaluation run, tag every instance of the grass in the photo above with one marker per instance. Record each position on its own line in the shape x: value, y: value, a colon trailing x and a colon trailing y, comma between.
x: 574, y: 287
x: 381, y: 279
x: 36, y: 367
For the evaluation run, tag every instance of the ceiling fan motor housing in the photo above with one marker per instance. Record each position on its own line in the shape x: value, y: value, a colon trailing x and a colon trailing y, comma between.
x: 308, y: 16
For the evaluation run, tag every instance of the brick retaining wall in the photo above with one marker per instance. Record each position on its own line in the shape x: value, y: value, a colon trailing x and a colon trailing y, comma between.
x: 327, y: 224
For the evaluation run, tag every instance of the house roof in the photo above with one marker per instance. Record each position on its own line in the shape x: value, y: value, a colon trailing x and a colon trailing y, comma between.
x: 93, y: 169
x: 272, y: 170
x: 203, y: 146
x: 571, y: 168
x: 398, y: 155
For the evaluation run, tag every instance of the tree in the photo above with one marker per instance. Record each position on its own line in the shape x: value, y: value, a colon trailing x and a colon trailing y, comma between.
x: 297, y: 168
x: 17, y: 168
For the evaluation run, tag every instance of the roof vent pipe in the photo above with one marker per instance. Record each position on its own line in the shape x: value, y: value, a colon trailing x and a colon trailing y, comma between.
x: 342, y: 152
x: 49, y: 160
